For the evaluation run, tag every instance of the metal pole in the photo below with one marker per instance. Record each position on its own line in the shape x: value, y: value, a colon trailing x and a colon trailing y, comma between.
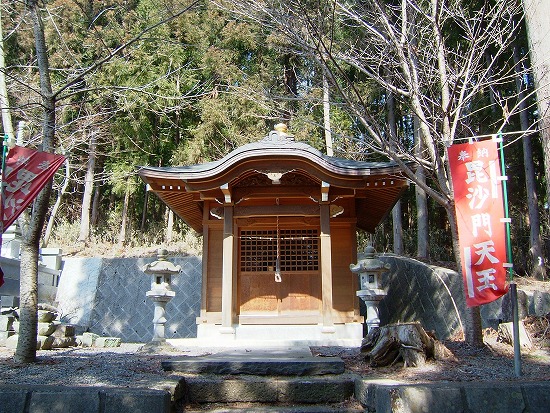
x: 5, y: 150
x: 513, y: 286
x: 515, y: 327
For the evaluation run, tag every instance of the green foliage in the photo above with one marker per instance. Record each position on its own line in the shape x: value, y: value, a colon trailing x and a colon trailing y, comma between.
x: 193, y: 89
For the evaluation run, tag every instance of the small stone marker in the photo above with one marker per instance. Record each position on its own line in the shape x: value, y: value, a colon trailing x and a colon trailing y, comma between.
x: 88, y: 339
x: 107, y: 342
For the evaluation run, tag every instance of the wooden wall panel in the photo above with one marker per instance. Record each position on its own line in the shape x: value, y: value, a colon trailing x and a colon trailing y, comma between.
x: 344, y: 283
x: 214, y: 269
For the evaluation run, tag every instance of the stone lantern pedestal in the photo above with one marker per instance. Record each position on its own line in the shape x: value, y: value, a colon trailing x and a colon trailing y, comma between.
x: 161, y: 272
x: 370, y: 270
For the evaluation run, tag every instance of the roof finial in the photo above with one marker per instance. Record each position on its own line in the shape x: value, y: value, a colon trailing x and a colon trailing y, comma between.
x: 281, y: 128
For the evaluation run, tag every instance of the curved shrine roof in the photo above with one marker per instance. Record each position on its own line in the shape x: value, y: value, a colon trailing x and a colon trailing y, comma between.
x: 376, y: 185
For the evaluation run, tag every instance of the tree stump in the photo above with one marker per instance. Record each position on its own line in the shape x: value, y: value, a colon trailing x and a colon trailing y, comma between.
x: 506, y: 334
x: 384, y: 346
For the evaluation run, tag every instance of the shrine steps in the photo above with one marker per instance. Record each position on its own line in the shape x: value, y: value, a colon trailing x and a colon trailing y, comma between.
x: 265, y: 380
x: 256, y: 366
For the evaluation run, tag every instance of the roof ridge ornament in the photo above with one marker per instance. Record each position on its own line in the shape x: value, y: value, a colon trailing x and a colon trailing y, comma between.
x: 279, y: 134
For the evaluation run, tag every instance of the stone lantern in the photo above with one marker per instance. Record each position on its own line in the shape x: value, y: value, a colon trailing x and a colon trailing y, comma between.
x: 370, y: 270
x: 161, y: 272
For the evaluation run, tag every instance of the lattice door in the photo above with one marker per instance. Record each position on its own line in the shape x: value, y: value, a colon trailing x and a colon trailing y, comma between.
x: 298, y: 252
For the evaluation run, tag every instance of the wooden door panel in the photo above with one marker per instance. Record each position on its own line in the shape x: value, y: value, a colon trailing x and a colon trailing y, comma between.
x: 299, y: 291
x: 258, y: 293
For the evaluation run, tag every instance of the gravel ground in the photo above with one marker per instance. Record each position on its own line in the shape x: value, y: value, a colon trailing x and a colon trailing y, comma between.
x: 125, y: 366
x: 119, y: 367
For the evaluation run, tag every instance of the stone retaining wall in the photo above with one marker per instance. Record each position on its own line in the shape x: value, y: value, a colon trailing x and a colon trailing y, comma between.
x: 56, y: 399
x: 107, y: 297
x: 449, y: 397
x: 435, y: 297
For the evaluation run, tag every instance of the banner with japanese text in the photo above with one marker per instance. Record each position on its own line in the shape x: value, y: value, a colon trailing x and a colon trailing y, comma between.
x: 26, y: 172
x: 478, y: 197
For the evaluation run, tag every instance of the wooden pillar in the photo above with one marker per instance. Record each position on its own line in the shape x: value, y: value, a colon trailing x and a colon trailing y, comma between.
x: 205, y: 245
x: 326, y: 270
x: 227, y: 271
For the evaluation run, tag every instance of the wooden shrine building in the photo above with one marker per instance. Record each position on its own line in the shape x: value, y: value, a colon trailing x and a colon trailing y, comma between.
x: 279, y: 222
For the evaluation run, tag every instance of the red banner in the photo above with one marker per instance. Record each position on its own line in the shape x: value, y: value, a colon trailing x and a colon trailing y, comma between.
x: 477, y: 186
x: 26, y: 172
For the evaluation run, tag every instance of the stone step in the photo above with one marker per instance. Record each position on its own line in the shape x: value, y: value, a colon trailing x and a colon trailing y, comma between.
x: 349, y: 407
x: 259, y: 366
x: 269, y: 390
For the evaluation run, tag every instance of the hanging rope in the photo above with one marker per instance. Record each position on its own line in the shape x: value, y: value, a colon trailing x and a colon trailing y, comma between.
x: 278, y: 278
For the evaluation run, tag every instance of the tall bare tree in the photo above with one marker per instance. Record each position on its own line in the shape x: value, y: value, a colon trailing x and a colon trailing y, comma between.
x: 85, y: 216
x: 433, y: 52
x: 32, y: 229
x: 397, y: 217
x: 28, y: 289
x: 4, y: 102
x: 538, y: 34
x: 538, y: 268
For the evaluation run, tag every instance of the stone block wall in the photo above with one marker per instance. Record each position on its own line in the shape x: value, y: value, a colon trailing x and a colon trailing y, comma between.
x: 107, y: 297
x: 419, y: 292
x: 435, y: 297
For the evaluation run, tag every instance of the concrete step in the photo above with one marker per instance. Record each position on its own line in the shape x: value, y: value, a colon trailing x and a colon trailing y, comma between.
x: 259, y: 366
x: 269, y: 390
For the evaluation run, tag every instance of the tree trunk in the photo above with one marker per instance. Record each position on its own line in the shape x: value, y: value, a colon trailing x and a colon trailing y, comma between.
x: 4, y: 103
x: 473, y: 333
x: 26, y: 344
x: 397, y: 225
x: 28, y: 307
x: 538, y: 268
x: 326, y: 115
x: 88, y: 191
x: 397, y: 217
x: 538, y: 33
x: 144, y: 213
x: 169, y: 225
x: 95, y: 206
x: 55, y: 208
x: 122, y: 234
x: 422, y: 225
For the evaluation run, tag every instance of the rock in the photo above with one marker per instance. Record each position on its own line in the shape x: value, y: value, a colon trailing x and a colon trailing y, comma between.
x: 6, y: 322
x: 88, y: 339
x: 64, y: 330
x: 107, y: 342
x: 45, y: 316
x: 11, y: 342
x: 47, y: 307
x: 541, y: 303
x: 44, y: 342
x: 5, y: 334
x: 45, y: 329
x: 523, y: 306
x: 63, y: 342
